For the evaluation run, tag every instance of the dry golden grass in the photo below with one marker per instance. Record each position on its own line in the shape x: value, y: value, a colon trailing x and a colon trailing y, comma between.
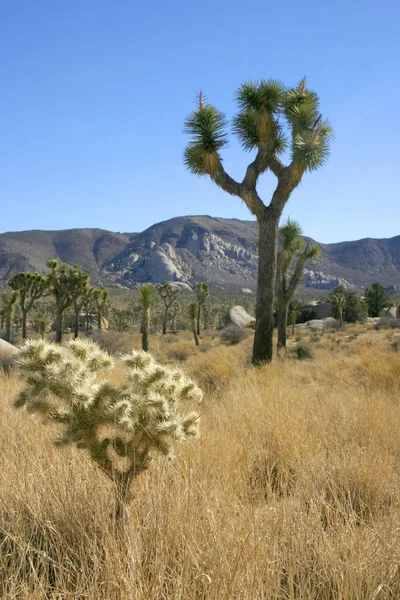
x: 292, y: 491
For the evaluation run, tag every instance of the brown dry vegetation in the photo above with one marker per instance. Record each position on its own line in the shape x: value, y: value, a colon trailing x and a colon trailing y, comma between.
x: 292, y: 491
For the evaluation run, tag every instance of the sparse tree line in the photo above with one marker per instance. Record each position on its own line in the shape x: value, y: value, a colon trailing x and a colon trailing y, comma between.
x: 65, y: 296
x: 70, y: 291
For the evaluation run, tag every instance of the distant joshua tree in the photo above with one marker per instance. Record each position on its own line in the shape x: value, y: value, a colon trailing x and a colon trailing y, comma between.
x: 101, y: 297
x: 8, y: 300
x: 66, y: 284
x: 30, y: 287
x: 146, y: 295
x: 136, y: 418
x: 203, y: 291
x: 338, y: 300
x: 291, y: 245
x: 193, y: 312
x: 168, y: 295
x: 271, y: 120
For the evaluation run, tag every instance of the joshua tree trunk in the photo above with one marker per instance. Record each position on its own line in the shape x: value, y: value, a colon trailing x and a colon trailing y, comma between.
x: 24, y: 328
x: 145, y: 329
x: 9, y: 326
x: 76, y: 324
x: 268, y: 248
x: 59, y: 326
x: 294, y: 317
x: 99, y: 325
x: 340, y: 309
x: 282, y: 324
x: 196, y: 337
x: 198, y: 318
x: 164, y: 327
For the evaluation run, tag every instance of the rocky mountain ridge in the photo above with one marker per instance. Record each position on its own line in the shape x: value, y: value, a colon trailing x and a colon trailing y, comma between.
x: 189, y: 249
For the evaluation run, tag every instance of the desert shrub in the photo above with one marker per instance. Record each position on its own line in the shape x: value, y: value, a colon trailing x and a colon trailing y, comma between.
x: 213, y: 370
x: 180, y: 350
x: 115, y: 342
x: 270, y: 474
x: 395, y: 345
x: 205, y: 347
x: 386, y: 323
x: 301, y: 352
x: 232, y: 335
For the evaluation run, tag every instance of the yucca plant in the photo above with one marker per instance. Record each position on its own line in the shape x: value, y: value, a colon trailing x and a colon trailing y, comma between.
x: 271, y: 120
x: 131, y: 420
x: 292, y: 246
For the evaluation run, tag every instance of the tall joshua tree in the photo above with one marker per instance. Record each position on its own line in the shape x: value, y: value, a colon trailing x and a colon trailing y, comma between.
x: 66, y: 284
x: 146, y: 295
x: 168, y: 295
x: 270, y: 120
x: 203, y: 291
x: 31, y: 287
x: 101, y: 298
x: 291, y: 245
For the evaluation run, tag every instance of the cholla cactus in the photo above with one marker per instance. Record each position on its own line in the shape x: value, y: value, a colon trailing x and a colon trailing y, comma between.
x: 128, y: 420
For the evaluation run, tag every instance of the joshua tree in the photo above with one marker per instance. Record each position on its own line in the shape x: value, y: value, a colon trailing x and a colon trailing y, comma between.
x: 146, y: 295
x: 376, y: 299
x: 101, y: 298
x: 66, y: 284
x: 85, y: 298
x: 193, y: 312
x: 173, y: 313
x: 168, y: 295
x: 134, y: 418
x: 267, y: 110
x: 203, y: 291
x: 291, y: 245
x: 8, y: 300
x: 338, y: 300
x: 31, y: 287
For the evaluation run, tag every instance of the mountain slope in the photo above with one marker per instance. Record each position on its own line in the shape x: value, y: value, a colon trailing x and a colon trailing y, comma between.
x: 30, y: 250
x: 189, y: 249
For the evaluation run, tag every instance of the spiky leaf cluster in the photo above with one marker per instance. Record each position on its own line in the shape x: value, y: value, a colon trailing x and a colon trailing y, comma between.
x: 143, y: 412
x: 269, y: 116
x: 207, y: 128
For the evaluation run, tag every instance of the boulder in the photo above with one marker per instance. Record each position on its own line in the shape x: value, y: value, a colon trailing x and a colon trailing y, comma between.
x: 236, y: 315
x: 321, y: 310
x: 320, y: 324
x: 388, y: 313
x: 7, y: 352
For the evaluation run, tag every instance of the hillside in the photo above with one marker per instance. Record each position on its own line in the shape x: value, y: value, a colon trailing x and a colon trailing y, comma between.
x: 189, y: 249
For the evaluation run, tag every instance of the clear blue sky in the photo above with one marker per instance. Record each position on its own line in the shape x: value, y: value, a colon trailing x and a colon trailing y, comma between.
x: 94, y: 94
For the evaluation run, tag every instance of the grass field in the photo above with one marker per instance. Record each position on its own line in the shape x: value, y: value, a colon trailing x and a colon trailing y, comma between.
x: 291, y: 492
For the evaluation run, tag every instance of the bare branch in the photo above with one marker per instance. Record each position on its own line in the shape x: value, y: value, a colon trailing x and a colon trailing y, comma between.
x: 225, y: 181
